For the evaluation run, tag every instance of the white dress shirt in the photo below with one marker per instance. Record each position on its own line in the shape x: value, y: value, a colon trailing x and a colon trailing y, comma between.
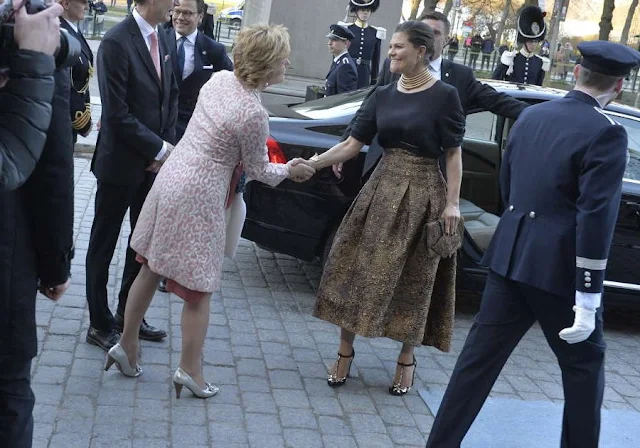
x: 71, y: 24
x: 337, y: 58
x: 147, y: 30
x: 435, y: 67
x: 189, y: 52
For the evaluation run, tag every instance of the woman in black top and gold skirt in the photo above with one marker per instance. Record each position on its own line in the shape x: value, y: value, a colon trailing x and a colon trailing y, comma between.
x: 391, y: 269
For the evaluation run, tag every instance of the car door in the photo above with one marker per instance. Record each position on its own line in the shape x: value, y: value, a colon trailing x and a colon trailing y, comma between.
x: 623, y: 268
x: 480, y: 204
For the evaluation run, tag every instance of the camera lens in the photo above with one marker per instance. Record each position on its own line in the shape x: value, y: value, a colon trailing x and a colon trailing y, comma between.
x: 68, y: 50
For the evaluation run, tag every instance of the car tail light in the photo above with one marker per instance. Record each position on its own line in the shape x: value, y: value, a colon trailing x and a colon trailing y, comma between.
x: 275, y: 151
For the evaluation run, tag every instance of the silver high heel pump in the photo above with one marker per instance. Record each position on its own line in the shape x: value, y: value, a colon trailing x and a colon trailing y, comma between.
x: 117, y: 355
x: 182, y: 378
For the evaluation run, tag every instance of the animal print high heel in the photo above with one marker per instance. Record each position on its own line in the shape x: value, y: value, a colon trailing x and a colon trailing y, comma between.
x: 333, y: 379
x: 396, y: 388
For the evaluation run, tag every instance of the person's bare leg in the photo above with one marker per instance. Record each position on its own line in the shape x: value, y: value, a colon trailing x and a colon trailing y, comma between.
x: 346, y: 349
x: 195, y: 322
x: 140, y: 297
x: 405, y: 357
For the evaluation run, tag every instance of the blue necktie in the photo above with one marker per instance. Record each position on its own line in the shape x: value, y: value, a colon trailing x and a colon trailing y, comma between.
x: 181, y: 57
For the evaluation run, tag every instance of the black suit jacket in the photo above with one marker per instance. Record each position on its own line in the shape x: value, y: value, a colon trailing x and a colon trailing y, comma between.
x: 209, y: 57
x: 473, y: 94
x: 81, y: 73
x: 139, y: 111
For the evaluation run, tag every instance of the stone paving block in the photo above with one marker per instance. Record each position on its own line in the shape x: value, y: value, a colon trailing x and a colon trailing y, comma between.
x: 262, y: 423
x: 259, y: 402
x: 339, y: 441
x: 260, y: 440
x: 72, y: 424
x: 302, y: 340
x: 156, y: 410
x: 228, y: 395
x: 366, y: 423
x: 268, y: 323
x: 280, y: 362
x: 302, y: 438
x: 306, y: 355
x: 189, y: 435
x: 226, y: 413
x: 56, y: 342
x: 151, y: 429
x: 218, y: 332
x: 64, y: 326
x: 253, y: 384
x: 251, y: 367
x: 298, y: 418
x: 334, y: 425
x: 288, y: 398
x: 242, y: 326
x: 374, y: 377
x: 50, y: 375
x: 403, y: 435
x: 396, y: 416
x: 71, y: 440
x: 227, y: 434
x: 186, y: 415
x: 89, y: 368
x: 45, y: 413
x: 56, y: 358
x: 370, y: 440
x: 250, y: 339
x: 246, y: 352
x: 276, y: 348
x: 220, y: 375
x: 357, y: 404
x: 272, y: 336
x: 424, y: 423
x: 285, y: 379
x: 47, y: 393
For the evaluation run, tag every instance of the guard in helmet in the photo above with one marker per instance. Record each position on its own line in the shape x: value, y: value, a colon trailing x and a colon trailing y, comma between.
x: 365, y: 47
x: 524, y: 66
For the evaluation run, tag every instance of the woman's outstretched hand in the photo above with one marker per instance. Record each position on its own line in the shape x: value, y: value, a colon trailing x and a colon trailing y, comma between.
x: 299, y: 170
x: 451, y: 216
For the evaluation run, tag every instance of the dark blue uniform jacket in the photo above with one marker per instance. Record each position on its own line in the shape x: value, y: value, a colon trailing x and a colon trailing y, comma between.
x: 342, y: 76
x: 561, y: 182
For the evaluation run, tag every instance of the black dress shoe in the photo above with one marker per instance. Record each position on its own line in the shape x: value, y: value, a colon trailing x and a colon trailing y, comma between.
x: 162, y: 287
x: 103, y: 339
x: 147, y: 332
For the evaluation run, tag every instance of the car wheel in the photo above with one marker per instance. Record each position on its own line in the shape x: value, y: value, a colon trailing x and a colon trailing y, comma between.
x: 236, y: 22
x: 327, y: 245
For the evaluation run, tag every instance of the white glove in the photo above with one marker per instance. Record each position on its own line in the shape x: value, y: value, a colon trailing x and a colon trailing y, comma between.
x: 585, y: 319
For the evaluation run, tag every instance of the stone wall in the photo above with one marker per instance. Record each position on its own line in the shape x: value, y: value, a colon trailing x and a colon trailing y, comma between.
x: 308, y: 23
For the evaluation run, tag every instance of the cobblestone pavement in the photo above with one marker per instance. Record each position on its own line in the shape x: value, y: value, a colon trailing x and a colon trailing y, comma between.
x: 268, y: 356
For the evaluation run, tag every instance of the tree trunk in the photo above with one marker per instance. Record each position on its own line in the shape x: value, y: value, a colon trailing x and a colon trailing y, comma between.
x: 503, y: 19
x: 530, y: 3
x: 447, y: 7
x: 430, y: 5
x: 415, y: 5
x: 627, y: 24
x: 605, y: 21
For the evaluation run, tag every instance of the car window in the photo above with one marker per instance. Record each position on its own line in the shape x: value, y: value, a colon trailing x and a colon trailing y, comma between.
x: 633, y: 133
x: 481, y: 126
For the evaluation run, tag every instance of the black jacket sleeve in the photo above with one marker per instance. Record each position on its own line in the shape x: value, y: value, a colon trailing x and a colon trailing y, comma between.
x: 220, y: 59
x: 49, y: 192
x: 375, y: 61
x: 490, y: 99
x: 384, y: 78
x: 500, y: 71
x: 25, y: 113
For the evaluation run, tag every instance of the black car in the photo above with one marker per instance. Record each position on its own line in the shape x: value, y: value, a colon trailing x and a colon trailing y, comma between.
x: 301, y: 219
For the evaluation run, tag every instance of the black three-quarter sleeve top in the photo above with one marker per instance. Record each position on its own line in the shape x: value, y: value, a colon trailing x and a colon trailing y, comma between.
x: 425, y: 123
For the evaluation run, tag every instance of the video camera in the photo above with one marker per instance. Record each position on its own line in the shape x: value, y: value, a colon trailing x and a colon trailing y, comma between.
x: 68, y: 49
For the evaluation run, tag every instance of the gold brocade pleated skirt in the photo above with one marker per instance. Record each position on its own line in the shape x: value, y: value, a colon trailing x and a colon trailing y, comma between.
x: 381, y: 279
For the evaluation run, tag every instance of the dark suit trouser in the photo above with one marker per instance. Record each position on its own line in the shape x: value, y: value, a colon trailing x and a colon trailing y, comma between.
x: 507, y: 311
x: 485, y: 58
x: 16, y: 404
x: 112, y: 202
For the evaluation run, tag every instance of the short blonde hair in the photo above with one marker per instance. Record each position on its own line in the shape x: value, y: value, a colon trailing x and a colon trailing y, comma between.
x: 257, y: 51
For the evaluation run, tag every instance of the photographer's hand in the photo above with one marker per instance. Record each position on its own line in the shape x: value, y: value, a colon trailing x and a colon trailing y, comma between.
x: 37, y: 32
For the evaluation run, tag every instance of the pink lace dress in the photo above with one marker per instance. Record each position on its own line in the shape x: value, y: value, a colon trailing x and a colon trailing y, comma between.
x: 180, y: 233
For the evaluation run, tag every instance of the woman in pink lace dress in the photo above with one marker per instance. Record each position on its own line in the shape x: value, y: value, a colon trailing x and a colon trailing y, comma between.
x: 180, y: 234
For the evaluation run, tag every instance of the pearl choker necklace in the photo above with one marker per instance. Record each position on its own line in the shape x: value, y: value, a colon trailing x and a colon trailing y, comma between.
x: 415, y: 82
